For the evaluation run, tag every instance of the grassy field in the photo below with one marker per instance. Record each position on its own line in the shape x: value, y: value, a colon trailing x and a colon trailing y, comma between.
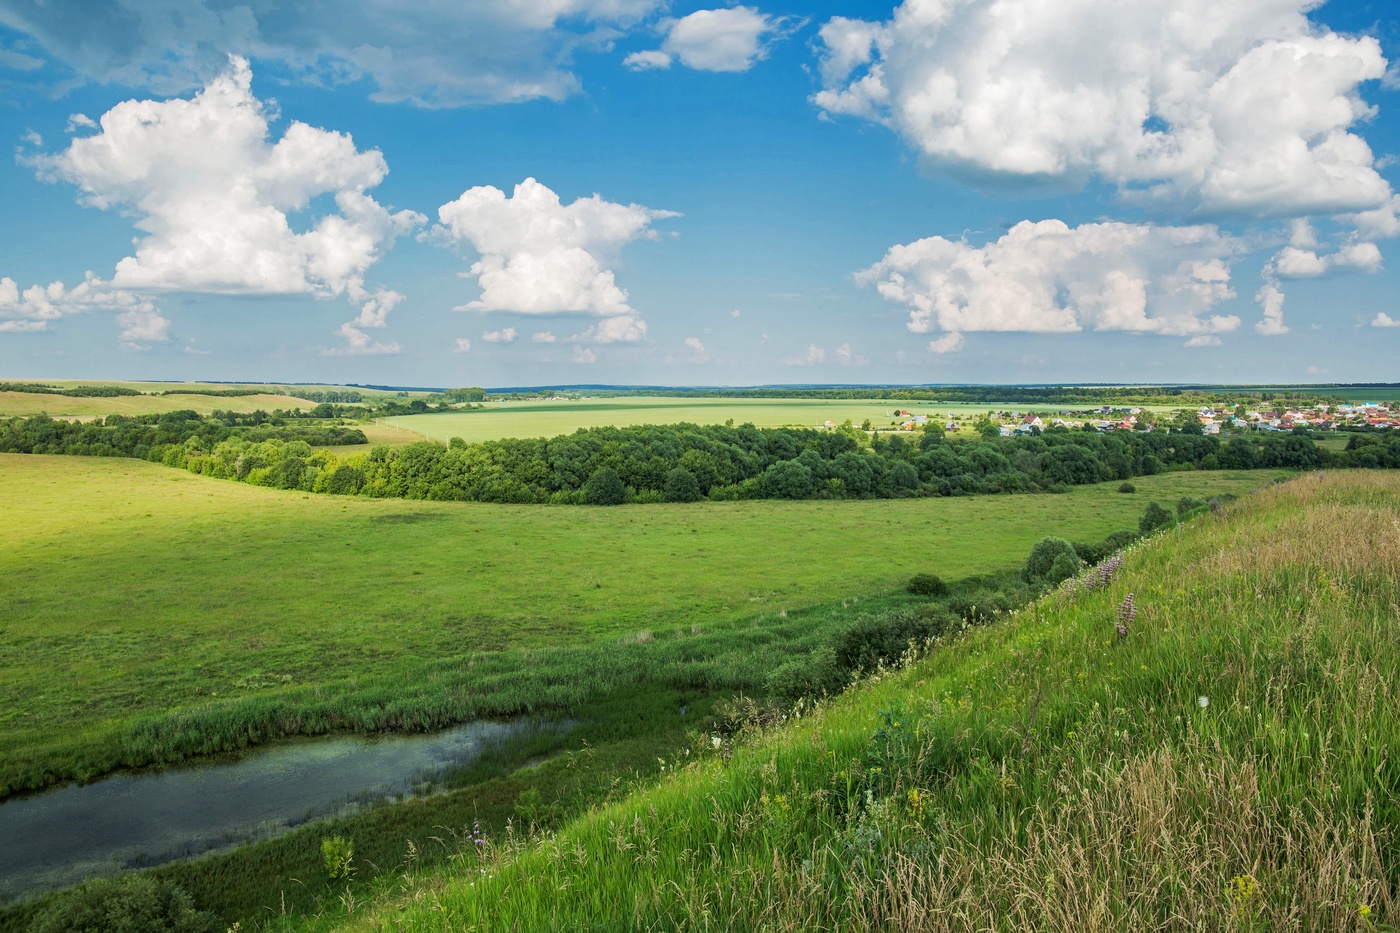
x: 25, y: 404
x: 548, y: 419
x: 149, y: 589
x: 1227, y: 765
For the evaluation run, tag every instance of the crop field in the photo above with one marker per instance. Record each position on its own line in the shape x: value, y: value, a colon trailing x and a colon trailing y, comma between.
x: 26, y: 404
x: 141, y: 588
x: 549, y: 419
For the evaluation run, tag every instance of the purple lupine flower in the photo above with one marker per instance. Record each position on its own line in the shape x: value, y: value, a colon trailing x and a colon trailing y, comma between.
x: 1126, y: 613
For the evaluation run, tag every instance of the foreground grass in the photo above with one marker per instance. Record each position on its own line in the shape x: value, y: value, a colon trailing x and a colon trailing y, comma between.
x: 141, y: 589
x: 1039, y: 774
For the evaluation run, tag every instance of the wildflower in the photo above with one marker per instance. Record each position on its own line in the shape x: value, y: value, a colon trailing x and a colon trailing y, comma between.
x: 1202, y: 702
x: 1127, y: 612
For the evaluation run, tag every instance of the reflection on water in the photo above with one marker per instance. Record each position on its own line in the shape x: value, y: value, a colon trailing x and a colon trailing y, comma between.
x: 66, y: 835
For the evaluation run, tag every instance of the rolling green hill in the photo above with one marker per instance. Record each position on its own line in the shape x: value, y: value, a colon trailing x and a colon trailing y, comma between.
x: 1227, y: 764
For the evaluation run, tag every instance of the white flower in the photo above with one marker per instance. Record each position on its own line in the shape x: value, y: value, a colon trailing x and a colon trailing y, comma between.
x: 1202, y: 702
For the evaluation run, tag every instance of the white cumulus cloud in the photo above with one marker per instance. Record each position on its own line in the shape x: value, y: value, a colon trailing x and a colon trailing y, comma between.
x: 1384, y: 320
x: 1270, y: 299
x: 814, y: 356
x: 698, y: 353
x: 731, y: 39
x: 1048, y: 277
x: 215, y: 199
x: 848, y: 357
x: 543, y: 336
x: 463, y: 345
x: 504, y: 335
x: 1292, y: 262
x: 585, y: 355
x: 1243, y: 107
x: 1203, y: 340
x: 950, y: 342
x: 540, y: 256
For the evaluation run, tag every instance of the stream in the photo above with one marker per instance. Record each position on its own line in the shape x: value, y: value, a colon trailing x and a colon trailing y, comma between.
x: 74, y: 832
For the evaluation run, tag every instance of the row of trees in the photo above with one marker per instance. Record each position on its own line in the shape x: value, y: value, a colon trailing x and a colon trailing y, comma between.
x: 677, y: 463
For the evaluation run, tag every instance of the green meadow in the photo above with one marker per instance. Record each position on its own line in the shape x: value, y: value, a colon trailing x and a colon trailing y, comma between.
x: 1225, y: 763
x: 26, y: 404
x: 145, y: 597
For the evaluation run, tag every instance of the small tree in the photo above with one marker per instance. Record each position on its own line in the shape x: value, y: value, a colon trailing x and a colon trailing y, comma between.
x: 604, y: 487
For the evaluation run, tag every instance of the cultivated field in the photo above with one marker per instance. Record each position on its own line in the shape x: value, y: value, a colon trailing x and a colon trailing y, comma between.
x: 26, y: 404
x: 549, y: 419
x: 146, y: 589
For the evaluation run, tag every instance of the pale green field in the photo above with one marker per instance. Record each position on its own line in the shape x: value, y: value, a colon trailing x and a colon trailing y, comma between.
x: 549, y: 419
x: 26, y: 404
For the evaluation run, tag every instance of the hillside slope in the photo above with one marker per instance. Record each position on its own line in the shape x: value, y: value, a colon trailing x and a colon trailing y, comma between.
x: 1228, y: 764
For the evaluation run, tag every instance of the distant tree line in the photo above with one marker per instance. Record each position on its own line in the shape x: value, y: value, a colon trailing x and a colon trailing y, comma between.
x: 34, y: 388
x: 1041, y: 396
x: 671, y: 463
x: 164, y: 438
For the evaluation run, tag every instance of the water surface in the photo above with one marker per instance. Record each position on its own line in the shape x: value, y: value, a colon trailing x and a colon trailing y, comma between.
x: 74, y: 832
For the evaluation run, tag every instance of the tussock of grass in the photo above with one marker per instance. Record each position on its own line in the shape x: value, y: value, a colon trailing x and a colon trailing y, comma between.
x: 1040, y: 774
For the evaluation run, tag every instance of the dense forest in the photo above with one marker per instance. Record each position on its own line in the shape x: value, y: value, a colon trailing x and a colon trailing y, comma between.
x: 674, y: 463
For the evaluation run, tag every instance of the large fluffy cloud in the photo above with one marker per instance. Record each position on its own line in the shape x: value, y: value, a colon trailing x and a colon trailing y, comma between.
x: 434, y: 54
x: 216, y: 200
x: 1048, y: 277
x: 540, y: 256
x: 714, y: 40
x: 1239, y: 107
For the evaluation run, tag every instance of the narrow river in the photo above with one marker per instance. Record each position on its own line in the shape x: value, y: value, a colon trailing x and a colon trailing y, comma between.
x: 142, y: 818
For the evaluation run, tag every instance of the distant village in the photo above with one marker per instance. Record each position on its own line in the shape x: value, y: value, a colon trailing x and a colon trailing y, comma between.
x: 1212, y: 421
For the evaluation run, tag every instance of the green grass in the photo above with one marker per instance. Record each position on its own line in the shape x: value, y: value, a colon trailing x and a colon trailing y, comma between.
x: 156, y: 613
x: 1040, y: 774
x: 549, y: 419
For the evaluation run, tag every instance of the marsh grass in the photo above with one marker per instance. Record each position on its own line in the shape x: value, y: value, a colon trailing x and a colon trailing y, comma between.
x: 1039, y: 774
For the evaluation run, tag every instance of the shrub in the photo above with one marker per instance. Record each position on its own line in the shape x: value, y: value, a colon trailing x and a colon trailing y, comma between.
x: 1188, y: 504
x: 1116, y: 541
x: 128, y: 904
x: 604, y: 487
x: 884, y: 638
x: 1042, y: 558
x: 927, y: 584
x: 339, y: 856
x: 682, y: 486
x: 1126, y: 487
x: 1155, y: 517
x: 1064, y: 567
x: 1089, y: 553
x: 812, y: 676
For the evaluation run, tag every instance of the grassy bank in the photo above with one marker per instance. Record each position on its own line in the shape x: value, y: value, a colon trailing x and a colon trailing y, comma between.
x: 1227, y: 764
x: 244, y: 613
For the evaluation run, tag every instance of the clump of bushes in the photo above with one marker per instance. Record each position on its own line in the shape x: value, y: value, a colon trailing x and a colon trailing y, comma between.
x: 1050, y: 561
x: 1154, y: 518
x: 1126, y: 487
x: 927, y: 584
x: 127, y: 904
x: 604, y: 487
x: 1189, y: 504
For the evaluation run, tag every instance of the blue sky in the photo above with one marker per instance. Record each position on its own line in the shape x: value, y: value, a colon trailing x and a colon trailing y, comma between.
x: 630, y: 191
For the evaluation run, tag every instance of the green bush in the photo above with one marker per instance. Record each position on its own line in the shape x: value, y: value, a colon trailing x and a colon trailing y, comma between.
x: 1116, y: 541
x: 682, y: 486
x: 604, y: 487
x: 1189, y: 504
x: 816, y: 675
x: 1064, y: 567
x: 1126, y: 487
x: 1042, y: 557
x: 1155, y: 517
x: 128, y: 904
x: 927, y: 584
x: 339, y: 855
x: 884, y: 638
